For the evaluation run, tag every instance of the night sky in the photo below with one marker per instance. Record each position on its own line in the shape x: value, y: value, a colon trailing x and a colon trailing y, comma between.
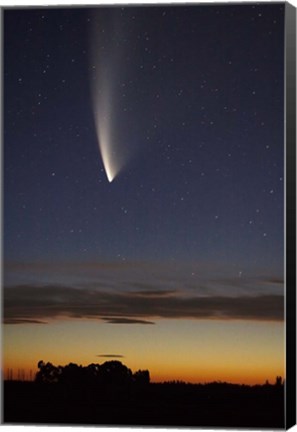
x: 190, y: 100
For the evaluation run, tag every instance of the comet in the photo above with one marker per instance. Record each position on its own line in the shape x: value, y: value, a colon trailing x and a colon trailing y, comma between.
x: 103, y: 124
x: 107, y: 68
x: 111, y: 140
x: 104, y: 118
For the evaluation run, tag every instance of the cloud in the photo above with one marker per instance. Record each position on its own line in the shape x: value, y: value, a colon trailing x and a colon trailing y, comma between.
x: 110, y: 355
x: 147, y: 279
x: 26, y: 303
x: 153, y: 293
x: 126, y: 321
x: 275, y: 280
x: 23, y: 321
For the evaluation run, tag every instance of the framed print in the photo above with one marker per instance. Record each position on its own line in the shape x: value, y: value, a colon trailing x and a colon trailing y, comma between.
x: 149, y: 216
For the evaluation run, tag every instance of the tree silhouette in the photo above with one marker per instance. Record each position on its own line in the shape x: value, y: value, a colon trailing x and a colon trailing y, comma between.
x: 141, y: 377
x: 48, y: 373
x: 110, y: 373
x: 72, y: 374
x: 114, y: 373
x: 278, y: 381
x: 92, y: 374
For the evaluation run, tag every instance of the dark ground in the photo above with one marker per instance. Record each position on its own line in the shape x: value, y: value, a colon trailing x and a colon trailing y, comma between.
x: 211, y: 405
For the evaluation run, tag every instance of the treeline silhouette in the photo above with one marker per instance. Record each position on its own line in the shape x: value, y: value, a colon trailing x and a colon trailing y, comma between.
x: 111, y: 394
x: 110, y: 373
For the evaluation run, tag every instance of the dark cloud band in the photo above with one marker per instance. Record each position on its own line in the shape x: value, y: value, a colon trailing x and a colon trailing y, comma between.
x: 34, y: 304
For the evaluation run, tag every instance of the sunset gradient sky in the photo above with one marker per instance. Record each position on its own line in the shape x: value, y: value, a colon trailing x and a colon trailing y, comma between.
x: 144, y: 189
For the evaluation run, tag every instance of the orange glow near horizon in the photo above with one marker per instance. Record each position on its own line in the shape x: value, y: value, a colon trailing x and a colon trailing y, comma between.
x: 192, y: 351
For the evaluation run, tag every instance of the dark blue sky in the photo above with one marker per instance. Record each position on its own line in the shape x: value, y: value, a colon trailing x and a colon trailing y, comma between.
x: 198, y: 89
